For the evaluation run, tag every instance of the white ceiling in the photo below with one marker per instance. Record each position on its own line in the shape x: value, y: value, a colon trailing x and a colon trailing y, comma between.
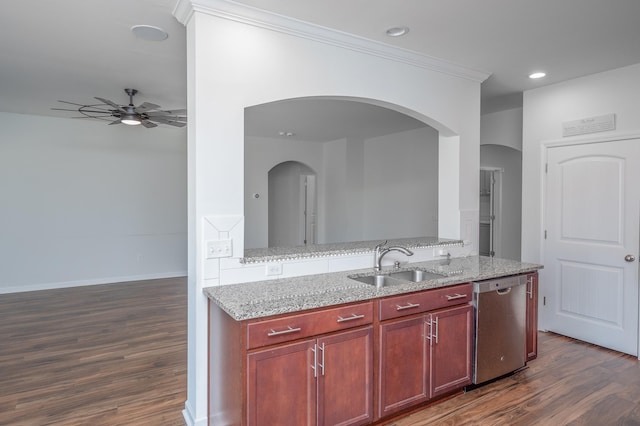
x: 74, y: 50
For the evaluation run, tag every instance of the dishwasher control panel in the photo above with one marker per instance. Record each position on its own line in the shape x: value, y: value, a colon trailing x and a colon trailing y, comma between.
x: 499, y: 283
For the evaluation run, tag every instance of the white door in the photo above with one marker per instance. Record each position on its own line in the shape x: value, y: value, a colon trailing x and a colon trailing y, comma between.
x: 592, y: 243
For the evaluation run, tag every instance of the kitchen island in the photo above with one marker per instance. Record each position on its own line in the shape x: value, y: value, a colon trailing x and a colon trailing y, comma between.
x: 327, y: 349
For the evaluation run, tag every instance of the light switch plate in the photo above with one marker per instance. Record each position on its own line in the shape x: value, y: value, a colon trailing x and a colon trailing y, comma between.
x: 219, y: 248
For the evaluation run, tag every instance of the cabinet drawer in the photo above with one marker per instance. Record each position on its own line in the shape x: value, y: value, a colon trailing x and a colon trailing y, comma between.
x: 428, y: 300
x: 297, y: 326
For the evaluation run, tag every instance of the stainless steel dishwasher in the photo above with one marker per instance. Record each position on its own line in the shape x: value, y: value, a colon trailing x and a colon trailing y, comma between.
x: 500, y: 327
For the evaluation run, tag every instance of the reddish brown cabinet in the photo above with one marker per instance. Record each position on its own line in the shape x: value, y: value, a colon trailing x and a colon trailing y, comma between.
x: 281, y: 385
x: 345, y: 378
x: 319, y: 381
x: 403, y: 365
x: 532, y: 316
x: 307, y: 368
x: 425, y: 355
x: 451, y: 350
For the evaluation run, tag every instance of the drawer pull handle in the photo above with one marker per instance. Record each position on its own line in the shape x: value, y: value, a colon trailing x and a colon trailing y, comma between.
x: 287, y: 331
x: 407, y: 306
x: 351, y: 318
x: 456, y: 296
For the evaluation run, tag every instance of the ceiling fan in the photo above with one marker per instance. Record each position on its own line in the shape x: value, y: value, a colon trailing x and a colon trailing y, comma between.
x: 147, y: 114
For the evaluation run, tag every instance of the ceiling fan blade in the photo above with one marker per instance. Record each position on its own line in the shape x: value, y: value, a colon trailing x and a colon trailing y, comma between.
x: 168, y: 112
x: 118, y: 121
x: 148, y: 124
x: 169, y: 121
x: 72, y: 103
x: 83, y: 111
x: 113, y: 104
x: 146, y: 106
x: 65, y: 109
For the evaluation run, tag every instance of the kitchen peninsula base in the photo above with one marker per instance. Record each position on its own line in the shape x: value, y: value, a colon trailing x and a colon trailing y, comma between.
x: 359, y: 362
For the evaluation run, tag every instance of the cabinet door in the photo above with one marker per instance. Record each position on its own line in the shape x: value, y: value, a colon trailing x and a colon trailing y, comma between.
x: 281, y: 386
x: 532, y: 316
x: 450, y: 337
x: 345, y: 378
x: 402, y: 365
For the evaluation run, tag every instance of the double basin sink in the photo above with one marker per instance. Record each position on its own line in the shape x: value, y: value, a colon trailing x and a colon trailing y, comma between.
x: 391, y: 278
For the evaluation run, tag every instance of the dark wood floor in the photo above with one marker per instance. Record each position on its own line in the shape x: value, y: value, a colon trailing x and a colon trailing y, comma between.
x: 100, y: 355
x: 116, y: 355
x: 571, y: 383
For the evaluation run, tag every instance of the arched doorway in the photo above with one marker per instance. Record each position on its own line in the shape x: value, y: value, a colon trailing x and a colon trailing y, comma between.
x: 292, y: 205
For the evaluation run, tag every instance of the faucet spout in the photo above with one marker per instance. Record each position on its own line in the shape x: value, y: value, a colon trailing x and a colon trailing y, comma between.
x: 381, y: 250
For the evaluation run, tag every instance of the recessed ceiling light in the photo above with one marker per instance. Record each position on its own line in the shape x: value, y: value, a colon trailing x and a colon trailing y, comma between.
x: 537, y: 75
x: 397, y: 31
x: 287, y: 134
x: 149, y: 32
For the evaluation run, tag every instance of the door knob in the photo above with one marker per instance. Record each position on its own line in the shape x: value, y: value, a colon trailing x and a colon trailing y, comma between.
x: 629, y: 258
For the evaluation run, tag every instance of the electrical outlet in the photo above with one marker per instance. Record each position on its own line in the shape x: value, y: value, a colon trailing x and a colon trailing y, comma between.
x: 274, y: 268
x: 219, y: 248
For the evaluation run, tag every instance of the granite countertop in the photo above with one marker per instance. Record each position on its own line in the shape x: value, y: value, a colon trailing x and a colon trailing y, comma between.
x: 275, y: 254
x: 265, y: 298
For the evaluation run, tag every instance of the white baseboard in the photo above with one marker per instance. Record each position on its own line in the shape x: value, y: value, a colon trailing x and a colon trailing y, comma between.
x: 95, y: 281
x: 188, y: 417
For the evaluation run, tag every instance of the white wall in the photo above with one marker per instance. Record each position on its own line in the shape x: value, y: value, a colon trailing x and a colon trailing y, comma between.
x: 401, y: 191
x: 239, y: 57
x: 502, y: 128
x: 544, y: 111
x: 342, y: 191
x: 86, y: 203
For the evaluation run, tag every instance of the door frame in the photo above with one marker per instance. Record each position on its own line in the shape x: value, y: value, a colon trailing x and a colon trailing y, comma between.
x: 495, y: 226
x: 545, y: 145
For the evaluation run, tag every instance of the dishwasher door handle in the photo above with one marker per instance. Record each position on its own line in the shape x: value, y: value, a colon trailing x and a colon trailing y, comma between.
x: 504, y: 291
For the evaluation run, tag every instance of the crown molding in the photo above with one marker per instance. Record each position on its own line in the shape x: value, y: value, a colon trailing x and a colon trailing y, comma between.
x: 233, y: 11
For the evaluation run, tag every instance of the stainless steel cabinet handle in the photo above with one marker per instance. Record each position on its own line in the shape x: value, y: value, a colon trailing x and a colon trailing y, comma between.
x: 407, y: 306
x: 629, y: 258
x: 433, y: 338
x: 322, y: 365
x: 287, y: 331
x: 315, y: 361
x: 456, y: 296
x: 530, y: 287
x: 351, y: 318
x: 436, y: 321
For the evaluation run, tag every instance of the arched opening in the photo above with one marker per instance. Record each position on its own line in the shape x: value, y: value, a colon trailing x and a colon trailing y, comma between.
x: 500, y: 201
x: 377, y: 168
x: 291, y: 205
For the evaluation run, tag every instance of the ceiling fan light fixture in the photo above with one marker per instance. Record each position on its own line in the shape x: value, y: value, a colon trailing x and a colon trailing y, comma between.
x: 130, y: 119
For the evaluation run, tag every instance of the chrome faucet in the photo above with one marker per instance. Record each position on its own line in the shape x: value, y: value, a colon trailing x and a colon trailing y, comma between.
x: 382, y: 249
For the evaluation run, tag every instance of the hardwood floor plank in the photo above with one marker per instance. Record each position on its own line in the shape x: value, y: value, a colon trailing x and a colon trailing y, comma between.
x: 116, y: 355
x: 570, y: 383
x: 99, y: 355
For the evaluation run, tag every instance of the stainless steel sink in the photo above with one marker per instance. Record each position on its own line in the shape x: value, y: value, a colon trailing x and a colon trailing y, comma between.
x: 391, y: 278
x: 376, y: 280
x: 416, y: 275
